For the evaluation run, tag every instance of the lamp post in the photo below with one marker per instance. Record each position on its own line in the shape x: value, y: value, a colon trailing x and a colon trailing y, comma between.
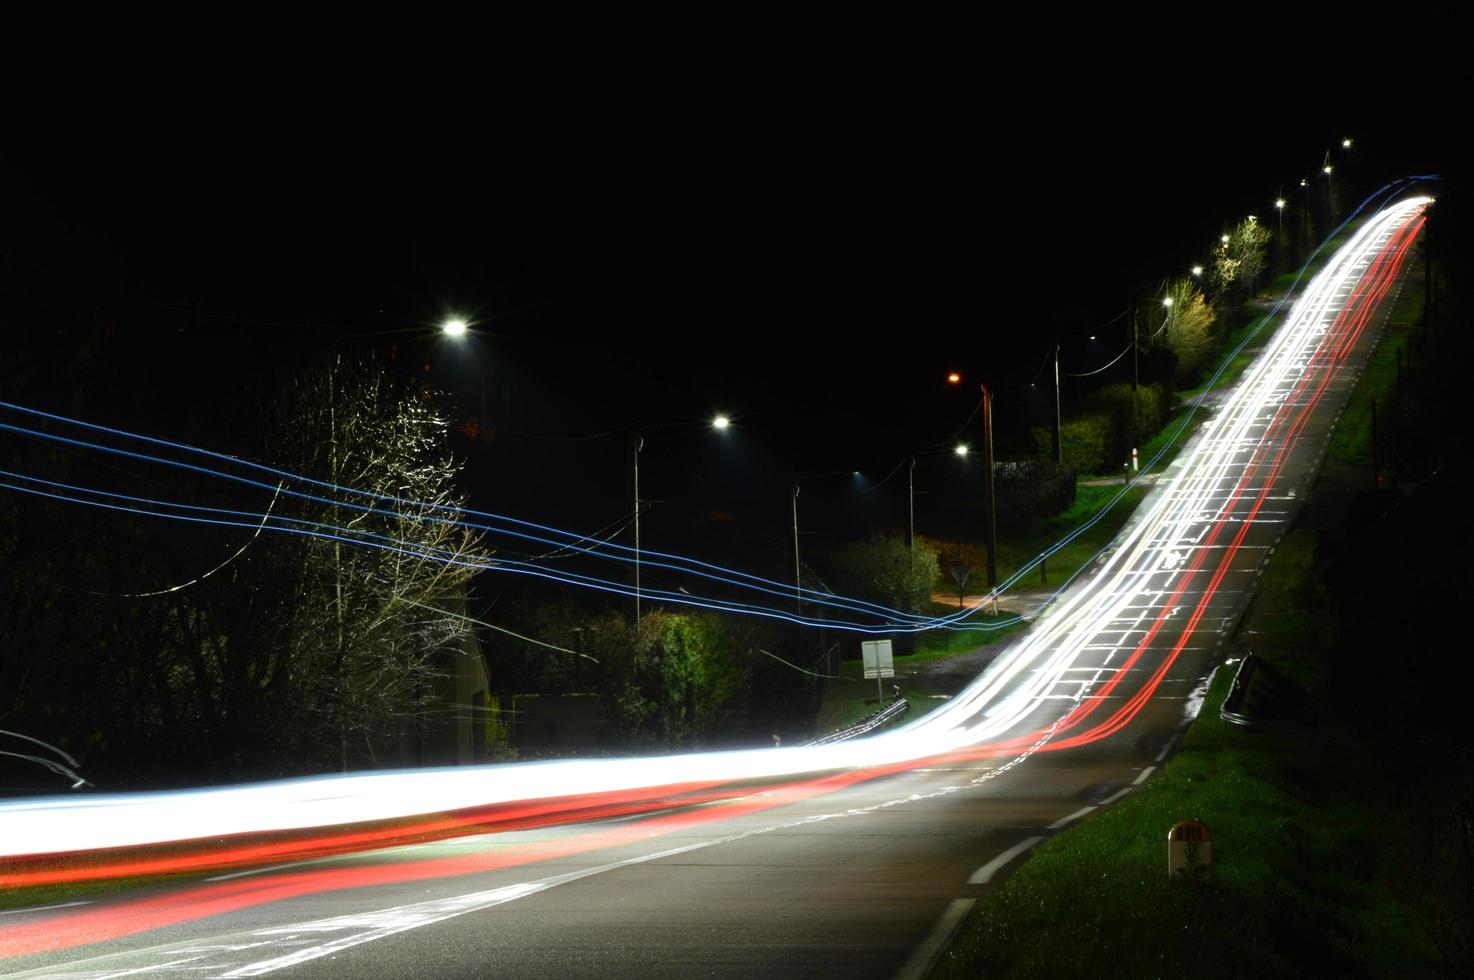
x: 990, y: 524
x: 960, y: 450
x: 1058, y: 436
x: 990, y: 516
x: 720, y: 423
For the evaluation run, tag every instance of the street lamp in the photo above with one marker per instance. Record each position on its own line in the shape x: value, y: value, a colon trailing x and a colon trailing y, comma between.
x: 454, y: 327
x: 719, y: 423
x: 960, y: 451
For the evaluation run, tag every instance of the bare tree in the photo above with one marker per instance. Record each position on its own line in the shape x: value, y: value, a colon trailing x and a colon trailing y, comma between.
x: 371, y: 626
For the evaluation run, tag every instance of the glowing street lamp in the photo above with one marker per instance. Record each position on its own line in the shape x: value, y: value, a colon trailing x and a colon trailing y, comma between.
x: 961, y: 450
x: 1346, y: 143
x: 1197, y: 271
x: 721, y: 422
x: 454, y: 327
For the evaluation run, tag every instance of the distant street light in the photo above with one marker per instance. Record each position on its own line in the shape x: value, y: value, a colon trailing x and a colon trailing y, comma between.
x: 454, y: 327
x: 720, y: 422
x: 1346, y: 143
x: 960, y: 450
x: 1279, y: 207
x: 1197, y: 271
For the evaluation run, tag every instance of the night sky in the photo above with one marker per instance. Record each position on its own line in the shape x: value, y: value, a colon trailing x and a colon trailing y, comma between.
x: 803, y: 219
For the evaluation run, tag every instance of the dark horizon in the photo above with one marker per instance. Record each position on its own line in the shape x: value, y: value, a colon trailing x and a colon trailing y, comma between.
x: 648, y: 231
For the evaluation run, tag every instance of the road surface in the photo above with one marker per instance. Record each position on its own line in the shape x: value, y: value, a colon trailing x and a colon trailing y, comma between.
x: 830, y: 870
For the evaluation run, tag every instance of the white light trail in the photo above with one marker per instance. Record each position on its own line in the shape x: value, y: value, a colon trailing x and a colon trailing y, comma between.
x: 1115, y: 601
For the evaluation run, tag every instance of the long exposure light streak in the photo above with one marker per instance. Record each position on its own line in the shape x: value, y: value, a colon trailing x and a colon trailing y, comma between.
x: 1168, y: 559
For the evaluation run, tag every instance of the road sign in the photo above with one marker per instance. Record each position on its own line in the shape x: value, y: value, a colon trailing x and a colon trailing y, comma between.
x: 877, y: 656
x: 878, y: 663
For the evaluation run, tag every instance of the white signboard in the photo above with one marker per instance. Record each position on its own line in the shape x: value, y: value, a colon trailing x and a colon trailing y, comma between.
x: 877, y: 656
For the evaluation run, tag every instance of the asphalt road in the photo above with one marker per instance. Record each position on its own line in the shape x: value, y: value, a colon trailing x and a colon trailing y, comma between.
x: 853, y: 873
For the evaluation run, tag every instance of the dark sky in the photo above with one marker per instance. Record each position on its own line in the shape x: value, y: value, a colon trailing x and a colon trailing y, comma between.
x: 802, y: 218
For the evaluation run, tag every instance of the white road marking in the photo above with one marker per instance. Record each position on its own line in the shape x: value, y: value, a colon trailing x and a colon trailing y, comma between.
x: 985, y: 874
x: 921, y: 961
x: 1144, y: 774
x: 1065, y: 821
x: 45, y: 908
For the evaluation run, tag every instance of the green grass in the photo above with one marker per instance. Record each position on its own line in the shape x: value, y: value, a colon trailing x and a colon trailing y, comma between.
x: 1089, y: 501
x: 1323, y: 860
x: 1352, y: 440
x: 1315, y: 867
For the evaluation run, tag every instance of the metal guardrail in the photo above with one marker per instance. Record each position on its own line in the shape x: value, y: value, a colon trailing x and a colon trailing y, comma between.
x: 890, y: 712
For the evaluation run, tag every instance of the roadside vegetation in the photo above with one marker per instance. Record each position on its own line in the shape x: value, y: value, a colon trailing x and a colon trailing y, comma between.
x: 1341, y: 827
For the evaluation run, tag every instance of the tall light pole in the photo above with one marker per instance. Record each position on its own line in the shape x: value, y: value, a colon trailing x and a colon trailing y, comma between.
x: 1330, y: 203
x: 990, y: 524
x: 720, y: 423
x: 990, y: 516
x: 1058, y: 436
x: 960, y: 450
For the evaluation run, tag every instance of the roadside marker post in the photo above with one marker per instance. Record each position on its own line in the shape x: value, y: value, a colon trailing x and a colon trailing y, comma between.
x: 1190, y: 851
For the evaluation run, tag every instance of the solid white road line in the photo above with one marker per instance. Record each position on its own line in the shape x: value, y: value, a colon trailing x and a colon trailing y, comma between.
x: 923, y: 957
x: 985, y: 874
x: 1065, y: 821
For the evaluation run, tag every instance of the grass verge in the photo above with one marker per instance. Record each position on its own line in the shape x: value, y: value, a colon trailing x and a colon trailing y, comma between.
x: 1352, y: 440
x: 1310, y: 844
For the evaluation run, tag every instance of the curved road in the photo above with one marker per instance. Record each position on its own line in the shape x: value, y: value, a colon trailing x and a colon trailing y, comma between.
x: 837, y: 871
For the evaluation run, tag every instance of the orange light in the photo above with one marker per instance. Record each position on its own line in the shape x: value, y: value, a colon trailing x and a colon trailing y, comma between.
x: 954, y: 378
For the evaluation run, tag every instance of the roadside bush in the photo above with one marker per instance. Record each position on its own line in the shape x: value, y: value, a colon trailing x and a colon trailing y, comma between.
x: 1153, y: 407
x: 1086, y: 442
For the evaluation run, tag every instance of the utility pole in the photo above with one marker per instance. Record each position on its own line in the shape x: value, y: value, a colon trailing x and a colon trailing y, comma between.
x: 1135, y: 363
x: 911, y: 504
x: 639, y: 444
x: 797, y: 581
x: 992, y: 525
x: 1058, y: 458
